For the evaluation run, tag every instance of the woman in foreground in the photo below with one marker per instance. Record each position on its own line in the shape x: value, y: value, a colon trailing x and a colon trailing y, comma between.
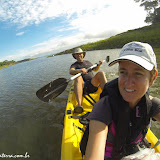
x: 119, y: 120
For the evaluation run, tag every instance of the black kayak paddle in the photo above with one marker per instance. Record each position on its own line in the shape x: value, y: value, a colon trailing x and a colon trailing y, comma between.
x: 56, y: 87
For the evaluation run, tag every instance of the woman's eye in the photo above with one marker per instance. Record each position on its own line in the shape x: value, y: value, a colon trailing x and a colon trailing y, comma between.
x: 139, y: 74
x: 122, y: 72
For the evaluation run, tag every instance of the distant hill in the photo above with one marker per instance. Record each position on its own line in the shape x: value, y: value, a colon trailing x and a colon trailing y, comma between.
x: 149, y: 34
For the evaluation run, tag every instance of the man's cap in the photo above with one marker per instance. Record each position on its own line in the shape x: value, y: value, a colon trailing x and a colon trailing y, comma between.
x: 78, y: 50
x: 139, y: 53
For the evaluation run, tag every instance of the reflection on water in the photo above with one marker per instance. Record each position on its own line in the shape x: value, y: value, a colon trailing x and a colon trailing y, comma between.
x: 30, y: 125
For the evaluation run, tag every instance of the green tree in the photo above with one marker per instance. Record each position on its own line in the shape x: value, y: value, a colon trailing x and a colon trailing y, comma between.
x: 153, y: 10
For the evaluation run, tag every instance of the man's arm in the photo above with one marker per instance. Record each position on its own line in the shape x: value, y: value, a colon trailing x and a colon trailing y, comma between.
x: 74, y: 71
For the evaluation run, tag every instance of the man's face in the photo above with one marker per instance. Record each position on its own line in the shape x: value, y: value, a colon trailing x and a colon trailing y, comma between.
x: 79, y: 57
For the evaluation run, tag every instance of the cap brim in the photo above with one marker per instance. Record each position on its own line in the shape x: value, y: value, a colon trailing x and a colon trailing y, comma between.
x: 136, y: 59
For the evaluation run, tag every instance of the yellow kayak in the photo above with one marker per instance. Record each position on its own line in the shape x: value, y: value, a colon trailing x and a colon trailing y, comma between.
x: 153, y: 140
x: 73, y: 130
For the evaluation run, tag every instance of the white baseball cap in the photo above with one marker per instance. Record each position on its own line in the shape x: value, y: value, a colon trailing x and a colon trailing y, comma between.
x: 138, y: 52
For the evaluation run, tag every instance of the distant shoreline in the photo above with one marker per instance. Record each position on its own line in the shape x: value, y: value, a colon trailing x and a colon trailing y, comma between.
x: 156, y: 50
x: 4, y: 66
x: 11, y: 64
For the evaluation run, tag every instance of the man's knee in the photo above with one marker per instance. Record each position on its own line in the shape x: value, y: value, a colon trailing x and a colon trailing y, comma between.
x: 100, y: 74
x: 79, y: 80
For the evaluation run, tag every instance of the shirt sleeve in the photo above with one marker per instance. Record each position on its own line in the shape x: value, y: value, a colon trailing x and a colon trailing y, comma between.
x: 155, y: 109
x: 72, y: 66
x: 101, y: 111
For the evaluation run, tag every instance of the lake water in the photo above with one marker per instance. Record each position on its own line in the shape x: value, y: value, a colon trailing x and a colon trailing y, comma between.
x: 30, y: 126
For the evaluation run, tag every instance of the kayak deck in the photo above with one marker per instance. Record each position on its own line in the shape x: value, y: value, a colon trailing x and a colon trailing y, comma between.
x: 153, y: 140
x: 73, y: 129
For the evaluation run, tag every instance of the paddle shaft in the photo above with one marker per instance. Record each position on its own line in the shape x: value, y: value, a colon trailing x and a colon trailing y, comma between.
x: 56, y: 87
x: 79, y: 74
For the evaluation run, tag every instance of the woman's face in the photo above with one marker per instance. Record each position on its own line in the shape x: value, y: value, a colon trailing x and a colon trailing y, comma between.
x: 134, y: 81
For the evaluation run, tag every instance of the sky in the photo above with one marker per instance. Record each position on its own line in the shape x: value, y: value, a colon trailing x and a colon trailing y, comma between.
x: 36, y: 28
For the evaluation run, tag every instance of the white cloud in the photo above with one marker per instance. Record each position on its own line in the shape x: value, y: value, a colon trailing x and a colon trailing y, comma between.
x: 115, y: 17
x: 24, y: 13
x: 52, y: 46
x: 93, y: 19
x: 20, y: 34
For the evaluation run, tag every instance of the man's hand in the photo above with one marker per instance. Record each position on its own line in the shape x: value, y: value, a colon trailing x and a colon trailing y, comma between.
x: 98, y: 65
x: 84, y: 71
x: 100, y: 62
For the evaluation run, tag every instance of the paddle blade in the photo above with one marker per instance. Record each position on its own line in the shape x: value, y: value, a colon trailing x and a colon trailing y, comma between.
x: 52, y: 90
x: 107, y: 59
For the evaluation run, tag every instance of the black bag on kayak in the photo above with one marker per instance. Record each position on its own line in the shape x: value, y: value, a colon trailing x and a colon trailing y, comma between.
x: 84, y: 140
x: 83, y: 119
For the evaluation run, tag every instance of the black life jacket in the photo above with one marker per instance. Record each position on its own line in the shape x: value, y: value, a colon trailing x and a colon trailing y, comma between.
x: 122, y: 121
x: 121, y: 114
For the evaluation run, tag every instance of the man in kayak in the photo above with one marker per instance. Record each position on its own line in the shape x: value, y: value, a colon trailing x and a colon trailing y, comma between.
x: 119, y: 120
x: 87, y: 83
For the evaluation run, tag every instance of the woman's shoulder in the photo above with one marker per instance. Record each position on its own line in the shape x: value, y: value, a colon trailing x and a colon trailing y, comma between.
x: 101, y: 111
x: 155, y: 109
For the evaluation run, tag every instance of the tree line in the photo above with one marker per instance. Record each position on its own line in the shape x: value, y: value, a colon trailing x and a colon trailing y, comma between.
x: 153, y: 10
x: 7, y: 62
